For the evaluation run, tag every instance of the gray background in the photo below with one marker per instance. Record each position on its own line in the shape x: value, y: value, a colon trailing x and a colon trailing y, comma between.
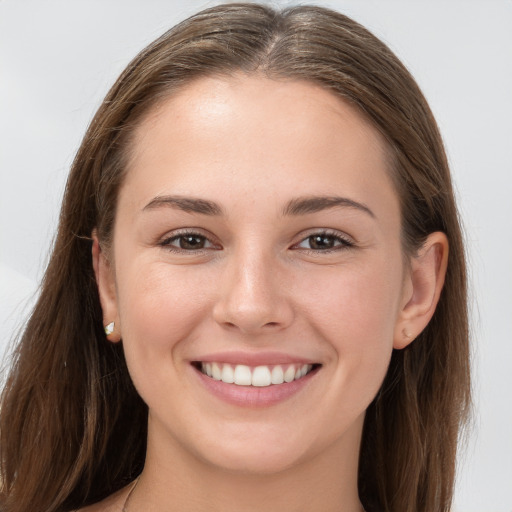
x: 58, y: 58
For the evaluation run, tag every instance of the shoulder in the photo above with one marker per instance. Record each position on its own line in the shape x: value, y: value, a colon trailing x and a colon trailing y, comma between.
x: 113, y: 503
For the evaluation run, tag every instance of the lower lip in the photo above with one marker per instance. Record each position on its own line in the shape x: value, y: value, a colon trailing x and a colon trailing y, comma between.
x: 253, y: 396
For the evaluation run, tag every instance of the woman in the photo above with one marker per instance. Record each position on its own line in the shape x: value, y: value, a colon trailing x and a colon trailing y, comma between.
x: 274, y: 313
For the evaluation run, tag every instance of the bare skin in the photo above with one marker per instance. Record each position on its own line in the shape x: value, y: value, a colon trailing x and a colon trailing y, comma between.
x: 114, y: 503
x: 266, y: 269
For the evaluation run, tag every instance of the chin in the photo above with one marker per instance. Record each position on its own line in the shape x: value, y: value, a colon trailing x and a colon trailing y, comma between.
x: 254, y: 462
x: 260, y: 450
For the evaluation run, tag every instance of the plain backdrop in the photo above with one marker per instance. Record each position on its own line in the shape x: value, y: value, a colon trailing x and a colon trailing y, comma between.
x: 58, y: 59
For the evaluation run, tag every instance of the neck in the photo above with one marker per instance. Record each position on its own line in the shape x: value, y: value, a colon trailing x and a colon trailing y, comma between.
x: 174, y: 480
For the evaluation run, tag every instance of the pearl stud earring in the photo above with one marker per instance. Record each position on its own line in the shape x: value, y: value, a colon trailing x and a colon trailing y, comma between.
x: 109, y: 329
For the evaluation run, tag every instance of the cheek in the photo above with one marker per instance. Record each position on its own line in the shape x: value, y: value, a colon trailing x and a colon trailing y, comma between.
x: 353, y: 311
x: 357, y: 305
x: 157, y: 298
x: 158, y: 307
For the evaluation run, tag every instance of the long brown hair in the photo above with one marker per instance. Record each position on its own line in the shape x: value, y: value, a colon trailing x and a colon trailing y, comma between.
x: 72, y: 427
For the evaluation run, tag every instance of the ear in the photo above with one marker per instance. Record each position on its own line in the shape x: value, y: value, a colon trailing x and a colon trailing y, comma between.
x: 422, y: 289
x: 106, y: 289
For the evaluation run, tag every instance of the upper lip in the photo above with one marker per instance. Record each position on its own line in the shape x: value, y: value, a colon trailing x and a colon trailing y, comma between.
x: 253, y: 358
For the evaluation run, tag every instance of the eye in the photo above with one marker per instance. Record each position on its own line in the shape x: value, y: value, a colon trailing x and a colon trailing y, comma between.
x: 187, y: 242
x: 324, y: 242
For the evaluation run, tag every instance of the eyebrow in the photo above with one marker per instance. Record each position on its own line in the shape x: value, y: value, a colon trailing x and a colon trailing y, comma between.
x: 297, y: 206
x: 187, y: 204
x: 313, y: 204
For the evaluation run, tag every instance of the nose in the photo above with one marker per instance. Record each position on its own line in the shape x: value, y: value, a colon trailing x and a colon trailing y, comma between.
x: 253, y: 295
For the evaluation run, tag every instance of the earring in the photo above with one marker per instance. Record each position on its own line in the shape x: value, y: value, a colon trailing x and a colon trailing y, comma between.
x: 109, y: 329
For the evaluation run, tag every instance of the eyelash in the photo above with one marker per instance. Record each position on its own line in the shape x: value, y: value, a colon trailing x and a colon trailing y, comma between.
x: 166, y: 243
x: 343, y: 242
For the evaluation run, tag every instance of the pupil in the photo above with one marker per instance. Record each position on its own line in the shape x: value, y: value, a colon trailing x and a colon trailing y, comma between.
x: 191, y: 242
x: 321, y: 242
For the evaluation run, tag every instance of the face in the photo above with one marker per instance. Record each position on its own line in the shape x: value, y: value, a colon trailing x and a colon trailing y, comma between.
x: 257, y: 239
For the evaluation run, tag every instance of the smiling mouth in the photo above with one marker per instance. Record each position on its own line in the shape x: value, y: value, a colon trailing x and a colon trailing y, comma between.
x: 256, y: 376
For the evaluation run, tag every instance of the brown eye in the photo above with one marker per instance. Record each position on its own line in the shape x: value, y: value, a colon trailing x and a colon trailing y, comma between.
x: 191, y: 242
x: 187, y: 242
x: 324, y: 242
x: 319, y: 242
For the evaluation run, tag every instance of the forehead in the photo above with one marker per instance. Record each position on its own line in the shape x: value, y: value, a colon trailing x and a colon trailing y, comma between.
x: 261, y: 135
x: 289, y: 106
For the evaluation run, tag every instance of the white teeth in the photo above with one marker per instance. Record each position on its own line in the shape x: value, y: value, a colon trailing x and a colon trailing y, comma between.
x: 289, y: 374
x: 228, y: 375
x: 277, y: 376
x: 242, y: 375
x: 216, y: 371
x: 259, y: 376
